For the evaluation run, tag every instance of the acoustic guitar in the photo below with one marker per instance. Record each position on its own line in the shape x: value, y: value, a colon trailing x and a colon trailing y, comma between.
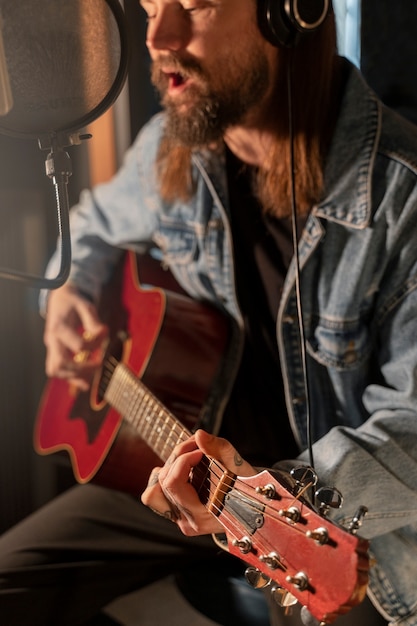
x: 118, y: 431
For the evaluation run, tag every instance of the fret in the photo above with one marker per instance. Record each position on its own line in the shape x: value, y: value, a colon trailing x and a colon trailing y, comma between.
x: 158, y: 431
x: 141, y: 418
x: 154, y: 423
x: 147, y: 421
x: 162, y: 432
x: 167, y: 448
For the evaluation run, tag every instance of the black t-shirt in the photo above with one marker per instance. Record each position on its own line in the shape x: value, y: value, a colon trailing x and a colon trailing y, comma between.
x: 256, y: 419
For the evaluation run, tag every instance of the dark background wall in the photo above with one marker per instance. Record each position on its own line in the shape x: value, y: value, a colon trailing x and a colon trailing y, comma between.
x: 389, y: 52
x: 28, y: 231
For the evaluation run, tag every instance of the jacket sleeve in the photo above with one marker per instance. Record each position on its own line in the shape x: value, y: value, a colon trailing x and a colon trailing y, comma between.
x: 375, y: 464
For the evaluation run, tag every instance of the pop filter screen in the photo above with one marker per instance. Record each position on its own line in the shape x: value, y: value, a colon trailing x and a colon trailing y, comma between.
x: 66, y: 62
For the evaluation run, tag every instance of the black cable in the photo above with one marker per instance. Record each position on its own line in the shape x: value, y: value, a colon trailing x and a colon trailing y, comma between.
x: 297, y: 259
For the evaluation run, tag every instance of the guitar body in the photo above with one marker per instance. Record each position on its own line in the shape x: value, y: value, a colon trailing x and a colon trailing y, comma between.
x: 173, y: 343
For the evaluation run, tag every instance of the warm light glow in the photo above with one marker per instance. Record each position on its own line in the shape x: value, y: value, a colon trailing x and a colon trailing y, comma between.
x: 102, y: 149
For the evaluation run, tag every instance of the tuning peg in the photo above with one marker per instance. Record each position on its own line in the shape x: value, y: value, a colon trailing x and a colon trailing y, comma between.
x: 328, y: 498
x: 283, y: 597
x: 304, y: 477
x: 319, y: 535
x: 268, y: 491
x: 292, y: 514
x: 272, y: 560
x: 357, y: 520
x: 300, y: 581
x: 244, y: 544
x: 256, y: 578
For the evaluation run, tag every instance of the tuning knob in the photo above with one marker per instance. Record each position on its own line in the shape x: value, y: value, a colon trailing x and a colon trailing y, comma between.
x: 304, y: 477
x: 300, y: 581
x: 272, y: 560
x: 256, y: 578
x: 283, y: 597
x: 244, y: 544
x: 268, y: 491
x: 319, y: 535
x: 292, y: 514
x: 328, y: 498
x: 357, y: 519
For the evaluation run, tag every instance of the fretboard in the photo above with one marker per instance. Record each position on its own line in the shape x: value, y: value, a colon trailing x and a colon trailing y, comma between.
x: 142, y: 410
x: 162, y: 432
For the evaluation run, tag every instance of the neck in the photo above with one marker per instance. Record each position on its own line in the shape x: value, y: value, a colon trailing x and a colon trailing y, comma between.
x: 250, y: 145
x: 253, y: 139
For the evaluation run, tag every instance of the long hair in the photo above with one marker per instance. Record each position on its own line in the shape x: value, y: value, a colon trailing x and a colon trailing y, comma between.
x: 315, y: 99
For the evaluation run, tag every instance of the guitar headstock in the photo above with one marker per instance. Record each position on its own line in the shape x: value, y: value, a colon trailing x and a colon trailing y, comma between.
x: 271, y: 525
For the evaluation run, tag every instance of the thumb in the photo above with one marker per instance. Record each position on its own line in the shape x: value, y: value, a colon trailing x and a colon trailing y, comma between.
x: 223, y: 451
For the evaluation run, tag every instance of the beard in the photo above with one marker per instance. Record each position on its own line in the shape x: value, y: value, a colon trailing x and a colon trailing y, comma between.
x: 215, y: 101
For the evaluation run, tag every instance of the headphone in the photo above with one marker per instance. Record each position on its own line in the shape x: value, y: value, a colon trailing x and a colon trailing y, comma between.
x: 284, y: 22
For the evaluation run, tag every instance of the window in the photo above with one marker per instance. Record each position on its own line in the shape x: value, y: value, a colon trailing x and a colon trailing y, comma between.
x: 348, y: 21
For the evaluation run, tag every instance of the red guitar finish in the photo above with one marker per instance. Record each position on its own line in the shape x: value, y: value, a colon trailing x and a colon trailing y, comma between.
x: 268, y: 521
x: 175, y: 344
x: 272, y: 527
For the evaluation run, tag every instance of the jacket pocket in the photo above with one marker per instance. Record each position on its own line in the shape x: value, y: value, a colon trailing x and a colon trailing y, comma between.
x: 339, y: 344
x: 177, y: 242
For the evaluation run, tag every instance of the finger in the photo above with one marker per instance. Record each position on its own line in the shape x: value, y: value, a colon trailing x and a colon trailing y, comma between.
x: 92, y: 325
x: 74, y: 320
x: 60, y: 363
x: 223, y: 451
x: 182, y: 448
x: 194, y: 517
x: 154, y: 498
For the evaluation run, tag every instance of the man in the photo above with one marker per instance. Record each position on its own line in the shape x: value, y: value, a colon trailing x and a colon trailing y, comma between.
x: 209, y: 183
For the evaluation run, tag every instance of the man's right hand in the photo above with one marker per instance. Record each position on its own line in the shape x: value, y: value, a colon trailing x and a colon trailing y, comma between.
x: 73, y: 333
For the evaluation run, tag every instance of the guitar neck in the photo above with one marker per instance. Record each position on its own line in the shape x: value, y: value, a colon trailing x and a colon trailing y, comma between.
x: 162, y: 432
x: 144, y: 412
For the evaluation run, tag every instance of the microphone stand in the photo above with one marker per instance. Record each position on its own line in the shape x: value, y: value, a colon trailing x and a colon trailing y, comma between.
x: 59, y: 169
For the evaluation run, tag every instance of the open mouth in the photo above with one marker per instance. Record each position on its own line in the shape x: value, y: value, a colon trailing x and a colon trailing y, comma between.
x: 177, y: 82
x: 176, y: 79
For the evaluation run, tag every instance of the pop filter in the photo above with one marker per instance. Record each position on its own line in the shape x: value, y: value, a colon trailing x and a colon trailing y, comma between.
x: 62, y: 65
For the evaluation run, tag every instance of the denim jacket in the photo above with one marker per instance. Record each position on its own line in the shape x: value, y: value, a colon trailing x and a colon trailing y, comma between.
x: 358, y: 261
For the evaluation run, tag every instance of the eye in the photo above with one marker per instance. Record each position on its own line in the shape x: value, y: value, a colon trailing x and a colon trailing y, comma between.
x: 192, y: 6
x: 190, y: 10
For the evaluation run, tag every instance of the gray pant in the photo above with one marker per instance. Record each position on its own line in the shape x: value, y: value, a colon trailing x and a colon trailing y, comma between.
x: 90, y: 545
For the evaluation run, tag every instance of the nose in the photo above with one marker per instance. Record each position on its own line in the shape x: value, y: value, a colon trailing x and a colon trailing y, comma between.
x: 169, y: 29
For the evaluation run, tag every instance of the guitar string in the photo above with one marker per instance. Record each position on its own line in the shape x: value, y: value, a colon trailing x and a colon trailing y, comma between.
x: 284, y: 559
x: 234, y: 529
x: 146, y: 397
x: 109, y: 369
x: 183, y: 434
x: 281, y: 560
x: 269, y: 510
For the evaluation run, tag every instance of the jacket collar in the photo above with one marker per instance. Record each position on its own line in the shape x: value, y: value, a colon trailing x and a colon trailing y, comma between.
x: 350, y: 160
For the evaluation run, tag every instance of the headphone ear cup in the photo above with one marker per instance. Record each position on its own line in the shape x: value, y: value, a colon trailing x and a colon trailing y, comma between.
x: 283, y: 22
x: 274, y: 24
